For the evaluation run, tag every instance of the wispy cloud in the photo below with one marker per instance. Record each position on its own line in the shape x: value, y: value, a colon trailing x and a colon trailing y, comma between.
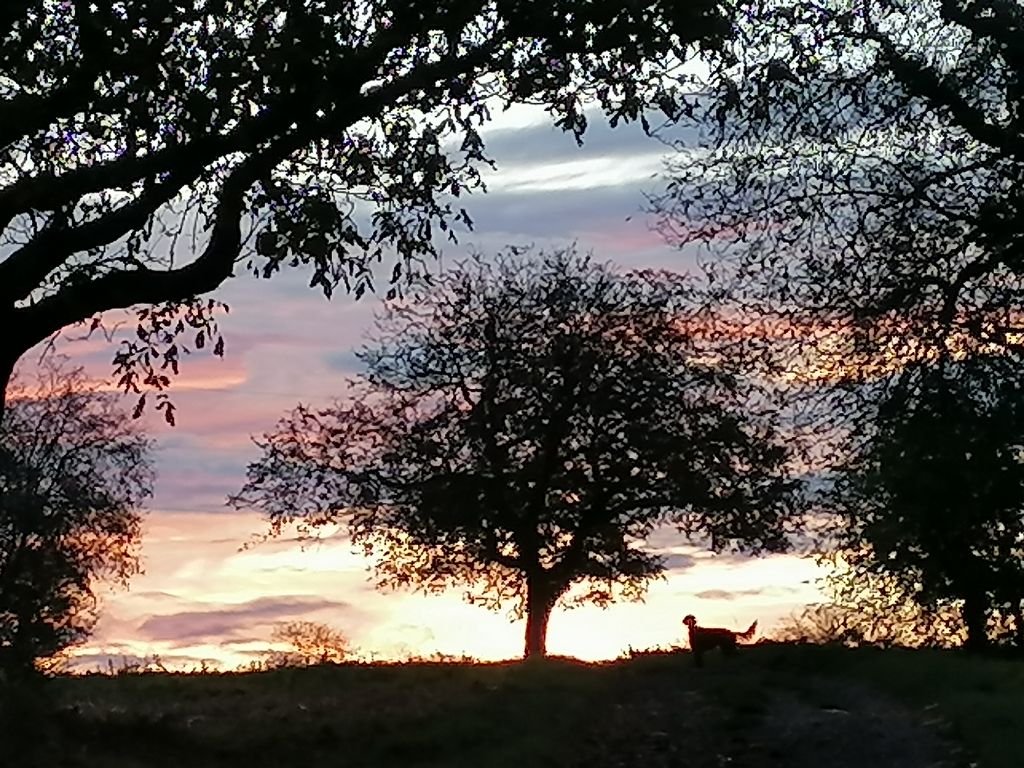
x: 739, y: 594
x: 225, y: 622
x: 576, y: 174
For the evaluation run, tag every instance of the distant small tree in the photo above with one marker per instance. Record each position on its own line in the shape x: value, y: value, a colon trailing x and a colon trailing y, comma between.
x: 935, y: 500
x: 309, y: 643
x: 820, y: 624
x: 871, y: 609
x: 521, y: 429
x: 74, y: 470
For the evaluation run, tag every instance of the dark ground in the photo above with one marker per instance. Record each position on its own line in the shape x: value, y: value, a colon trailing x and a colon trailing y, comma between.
x: 770, y: 706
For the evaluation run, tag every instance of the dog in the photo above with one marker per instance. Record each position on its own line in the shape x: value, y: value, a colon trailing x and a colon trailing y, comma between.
x: 708, y: 638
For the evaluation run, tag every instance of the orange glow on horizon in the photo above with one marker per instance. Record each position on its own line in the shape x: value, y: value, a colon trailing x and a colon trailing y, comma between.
x: 198, y: 583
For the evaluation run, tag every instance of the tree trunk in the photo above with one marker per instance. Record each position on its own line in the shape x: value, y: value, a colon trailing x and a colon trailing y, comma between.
x: 540, y: 598
x: 1018, y: 625
x: 7, y: 362
x: 976, y: 621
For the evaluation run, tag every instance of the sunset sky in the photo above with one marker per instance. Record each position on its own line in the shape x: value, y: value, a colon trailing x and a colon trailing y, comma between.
x: 203, y: 598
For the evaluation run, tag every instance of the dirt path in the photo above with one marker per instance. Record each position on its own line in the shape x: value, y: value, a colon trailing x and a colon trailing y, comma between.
x: 696, y: 722
x: 843, y: 726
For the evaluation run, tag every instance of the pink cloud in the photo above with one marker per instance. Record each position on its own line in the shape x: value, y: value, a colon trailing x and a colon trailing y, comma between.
x: 221, y: 623
x: 623, y: 238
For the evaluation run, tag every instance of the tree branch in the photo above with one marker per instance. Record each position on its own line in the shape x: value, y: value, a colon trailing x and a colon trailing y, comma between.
x: 51, y: 191
x: 21, y: 273
x: 24, y: 270
x: 29, y: 112
x: 505, y: 561
x: 345, y: 76
x: 149, y: 286
x: 1004, y: 25
x: 925, y: 83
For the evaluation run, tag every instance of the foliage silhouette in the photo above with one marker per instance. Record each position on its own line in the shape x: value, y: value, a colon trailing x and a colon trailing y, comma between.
x: 935, y: 499
x: 309, y: 643
x: 864, y: 176
x: 521, y: 428
x: 74, y: 470
x: 858, y: 207
x: 871, y: 610
x: 151, y: 148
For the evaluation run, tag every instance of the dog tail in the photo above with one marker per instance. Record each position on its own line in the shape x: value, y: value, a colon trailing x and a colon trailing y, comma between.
x: 749, y: 633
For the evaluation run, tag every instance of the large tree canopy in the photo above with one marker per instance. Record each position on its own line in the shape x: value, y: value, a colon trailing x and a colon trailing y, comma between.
x: 863, y: 172
x: 521, y: 429
x: 858, y: 193
x: 149, y: 149
x: 935, y: 499
x: 74, y: 471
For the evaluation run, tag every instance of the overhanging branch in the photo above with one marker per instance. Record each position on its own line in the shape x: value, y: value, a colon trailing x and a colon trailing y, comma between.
x: 925, y: 83
x: 22, y: 272
x: 26, y: 268
x: 149, y: 286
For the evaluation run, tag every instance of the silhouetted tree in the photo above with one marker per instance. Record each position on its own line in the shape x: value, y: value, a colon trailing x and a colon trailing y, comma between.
x: 151, y: 148
x: 936, y: 497
x: 74, y: 469
x: 872, y: 608
x: 521, y: 429
x: 860, y: 194
x: 309, y: 643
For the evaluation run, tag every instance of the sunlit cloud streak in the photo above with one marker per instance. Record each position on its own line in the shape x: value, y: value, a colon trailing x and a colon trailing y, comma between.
x: 204, y: 597
x: 217, y: 624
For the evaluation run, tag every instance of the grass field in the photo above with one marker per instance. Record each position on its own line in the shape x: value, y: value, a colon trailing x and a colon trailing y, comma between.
x: 770, y: 706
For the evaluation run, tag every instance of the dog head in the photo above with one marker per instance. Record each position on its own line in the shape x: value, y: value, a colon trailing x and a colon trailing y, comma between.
x: 690, y: 621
